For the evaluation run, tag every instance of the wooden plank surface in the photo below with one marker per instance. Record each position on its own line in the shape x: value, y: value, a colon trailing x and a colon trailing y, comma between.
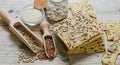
x: 107, y: 10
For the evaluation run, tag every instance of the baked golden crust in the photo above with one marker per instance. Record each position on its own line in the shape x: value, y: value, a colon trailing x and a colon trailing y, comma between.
x: 83, y: 7
x: 79, y: 33
x: 75, y: 31
x: 112, y: 28
x: 109, y: 58
x: 95, y: 46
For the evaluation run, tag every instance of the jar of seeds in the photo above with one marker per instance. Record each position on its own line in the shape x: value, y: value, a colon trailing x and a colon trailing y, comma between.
x: 56, y: 10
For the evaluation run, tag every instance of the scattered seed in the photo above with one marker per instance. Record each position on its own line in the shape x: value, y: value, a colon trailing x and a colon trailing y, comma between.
x: 10, y: 11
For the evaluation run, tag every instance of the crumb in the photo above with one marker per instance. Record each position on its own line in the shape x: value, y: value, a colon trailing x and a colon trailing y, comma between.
x: 10, y: 11
x: 118, y: 10
x: 97, y: 55
x: 16, y: 17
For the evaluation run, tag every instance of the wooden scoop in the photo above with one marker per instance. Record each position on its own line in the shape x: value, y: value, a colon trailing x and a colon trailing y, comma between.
x: 49, y: 43
x: 22, y: 32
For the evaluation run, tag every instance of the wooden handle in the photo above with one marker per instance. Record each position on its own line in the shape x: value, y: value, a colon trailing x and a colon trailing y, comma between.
x: 44, y: 28
x: 5, y: 16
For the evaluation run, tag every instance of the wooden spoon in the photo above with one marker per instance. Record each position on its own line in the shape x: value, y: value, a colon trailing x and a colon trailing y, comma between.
x: 21, y: 31
x: 48, y: 41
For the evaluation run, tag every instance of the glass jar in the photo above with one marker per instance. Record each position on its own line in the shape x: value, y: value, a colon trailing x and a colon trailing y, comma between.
x: 56, y: 10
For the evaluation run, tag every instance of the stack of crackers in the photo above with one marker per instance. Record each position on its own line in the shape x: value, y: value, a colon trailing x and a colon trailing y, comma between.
x: 81, y: 33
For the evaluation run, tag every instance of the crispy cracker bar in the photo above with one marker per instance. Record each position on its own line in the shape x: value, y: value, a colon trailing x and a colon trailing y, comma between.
x: 109, y: 58
x: 85, y: 7
x: 112, y: 25
x: 115, y: 46
x: 110, y: 34
x: 114, y: 50
x: 112, y: 28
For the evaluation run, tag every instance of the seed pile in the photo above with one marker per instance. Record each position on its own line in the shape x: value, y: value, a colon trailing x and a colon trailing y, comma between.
x: 30, y: 39
x: 42, y: 56
x: 50, y: 49
x: 26, y: 55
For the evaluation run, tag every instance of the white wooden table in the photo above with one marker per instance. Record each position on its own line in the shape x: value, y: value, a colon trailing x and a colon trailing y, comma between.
x: 106, y: 10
